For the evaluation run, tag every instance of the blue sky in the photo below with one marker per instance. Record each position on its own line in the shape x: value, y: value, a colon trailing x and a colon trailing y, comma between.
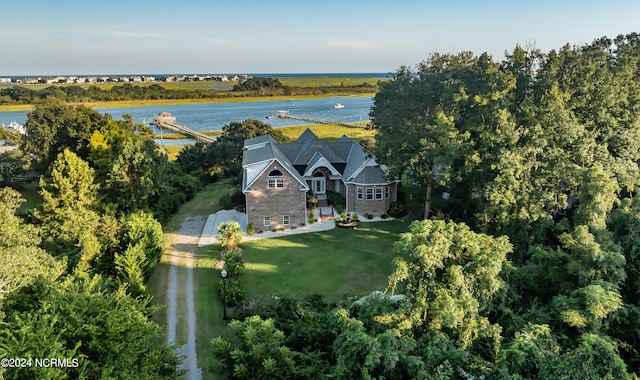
x: 65, y: 37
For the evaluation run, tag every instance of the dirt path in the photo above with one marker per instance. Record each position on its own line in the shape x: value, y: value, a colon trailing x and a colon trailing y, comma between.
x: 183, y: 244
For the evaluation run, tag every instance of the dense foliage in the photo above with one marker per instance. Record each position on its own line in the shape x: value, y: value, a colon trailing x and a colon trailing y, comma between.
x: 530, y: 269
x: 73, y: 282
x: 263, y: 85
x: 223, y: 157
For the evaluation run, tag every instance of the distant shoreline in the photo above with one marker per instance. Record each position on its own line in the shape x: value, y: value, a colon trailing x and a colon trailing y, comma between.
x: 261, y: 75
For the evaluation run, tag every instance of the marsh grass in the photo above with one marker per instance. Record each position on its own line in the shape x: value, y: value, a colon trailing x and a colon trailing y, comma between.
x: 327, y: 81
x: 328, y: 132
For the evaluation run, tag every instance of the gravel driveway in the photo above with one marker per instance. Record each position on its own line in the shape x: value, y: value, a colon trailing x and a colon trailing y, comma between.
x: 182, y: 262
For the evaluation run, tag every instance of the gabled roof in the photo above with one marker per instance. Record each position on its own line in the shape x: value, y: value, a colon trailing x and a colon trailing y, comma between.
x: 344, y: 157
x: 306, y: 146
x: 259, y: 153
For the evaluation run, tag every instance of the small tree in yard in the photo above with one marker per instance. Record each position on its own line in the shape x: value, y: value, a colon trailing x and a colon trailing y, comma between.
x: 229, y: 235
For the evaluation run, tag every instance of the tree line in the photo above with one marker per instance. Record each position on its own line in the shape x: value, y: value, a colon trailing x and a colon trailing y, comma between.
x: 93, y: 93
x: 74, y: 270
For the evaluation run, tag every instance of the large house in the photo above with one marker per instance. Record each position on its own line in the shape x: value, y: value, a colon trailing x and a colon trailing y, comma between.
x: 277, y: 177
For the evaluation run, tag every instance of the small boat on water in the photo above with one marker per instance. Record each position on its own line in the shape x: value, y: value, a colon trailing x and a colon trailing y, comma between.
x: 15, y: 127
x: 338, y: 105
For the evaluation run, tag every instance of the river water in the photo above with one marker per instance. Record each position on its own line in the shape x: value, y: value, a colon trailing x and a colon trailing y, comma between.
x: 213, y: 116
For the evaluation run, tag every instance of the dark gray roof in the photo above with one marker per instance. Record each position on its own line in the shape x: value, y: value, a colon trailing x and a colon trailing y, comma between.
x: 345, y: 155
x: 268, y: 151
x: 308, y: 144
x: 357, y: 156
x: 370, y: 175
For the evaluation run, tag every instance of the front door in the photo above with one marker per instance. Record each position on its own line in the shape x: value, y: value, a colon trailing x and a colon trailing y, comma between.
x: 319, y: 185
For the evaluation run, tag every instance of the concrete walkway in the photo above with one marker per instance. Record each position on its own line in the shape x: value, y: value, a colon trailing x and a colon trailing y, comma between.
x: 210, y: 230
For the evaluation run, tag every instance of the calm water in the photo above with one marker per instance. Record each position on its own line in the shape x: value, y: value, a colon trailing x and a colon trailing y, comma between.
x: 213, y: 116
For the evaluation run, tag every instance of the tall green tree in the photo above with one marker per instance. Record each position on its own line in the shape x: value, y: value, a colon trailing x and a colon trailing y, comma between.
x: 53, y: 126
x: 108, y: 332
x: 259, y: 354
x: 450, y: 274
x: 67, y: 214
x: 414, y: 118
x: 21, y: 258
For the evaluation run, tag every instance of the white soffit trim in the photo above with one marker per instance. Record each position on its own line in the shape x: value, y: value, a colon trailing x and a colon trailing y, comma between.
x: 253, y: 171
x: 321, y: 162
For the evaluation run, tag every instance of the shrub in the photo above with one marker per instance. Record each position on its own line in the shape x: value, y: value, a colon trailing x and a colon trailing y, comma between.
x: 311, y: 201
x: 238, y: 198
x: 225, y: 202
x: 251, y: 229
x: 234, y: 264
x: 311, y: 218
x: 355, y: 216
x: 384, y: 216
x: 336, y: 199
x: 396, y: 209
x: 234, y: 291
x: 368, y: 216
x: 229, y: 235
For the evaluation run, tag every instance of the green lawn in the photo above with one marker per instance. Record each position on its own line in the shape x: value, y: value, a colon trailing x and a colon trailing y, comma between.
x: 331, y: 263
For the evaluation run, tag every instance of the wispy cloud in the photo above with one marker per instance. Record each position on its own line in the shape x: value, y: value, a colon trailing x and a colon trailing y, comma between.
x: 352, y: 43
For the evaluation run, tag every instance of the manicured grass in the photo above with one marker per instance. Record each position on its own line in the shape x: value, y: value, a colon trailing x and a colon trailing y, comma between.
x: 331, y: 263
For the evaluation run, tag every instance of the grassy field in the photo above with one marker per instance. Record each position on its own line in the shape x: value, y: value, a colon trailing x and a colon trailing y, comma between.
x: 323, y: 131
x: 326, y: 81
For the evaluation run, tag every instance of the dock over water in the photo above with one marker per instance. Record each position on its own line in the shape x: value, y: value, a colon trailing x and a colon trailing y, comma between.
x: 287, y: 115
x: 165, y: 120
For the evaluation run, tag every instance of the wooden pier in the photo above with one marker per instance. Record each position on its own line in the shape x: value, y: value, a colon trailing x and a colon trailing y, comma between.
x: 168, y: 121
x: 287, y: 115
x: 187, y: 131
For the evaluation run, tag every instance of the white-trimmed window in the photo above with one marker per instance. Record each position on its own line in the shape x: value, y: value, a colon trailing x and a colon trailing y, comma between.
x: 273, y: 183
x: 369, y: 193
x: 267, y: 221
x: 275, y: 180
x: 359, y: 193
x: 286, y: 220
x: 378, y: 193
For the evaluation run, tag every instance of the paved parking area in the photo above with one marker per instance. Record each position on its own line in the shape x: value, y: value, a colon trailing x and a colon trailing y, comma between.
x: 210, y: 230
